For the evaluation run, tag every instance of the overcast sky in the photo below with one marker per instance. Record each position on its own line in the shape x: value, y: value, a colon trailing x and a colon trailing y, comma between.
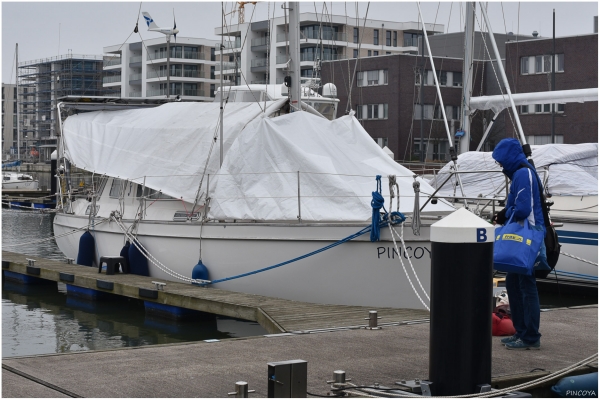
x: 47, y: 29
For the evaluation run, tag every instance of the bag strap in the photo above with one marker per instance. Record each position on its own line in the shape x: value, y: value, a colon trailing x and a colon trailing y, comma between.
x: 545, y: 211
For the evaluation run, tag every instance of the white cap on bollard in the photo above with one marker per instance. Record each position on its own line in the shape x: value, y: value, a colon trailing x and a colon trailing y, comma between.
x: 462, y: 226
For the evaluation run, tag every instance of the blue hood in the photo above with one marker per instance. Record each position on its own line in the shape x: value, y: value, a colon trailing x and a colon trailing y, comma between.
x: 510, y: 154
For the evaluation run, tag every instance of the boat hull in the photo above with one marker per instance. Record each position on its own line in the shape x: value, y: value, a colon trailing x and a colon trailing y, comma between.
x: 359, y: 272
x: 23, y: 185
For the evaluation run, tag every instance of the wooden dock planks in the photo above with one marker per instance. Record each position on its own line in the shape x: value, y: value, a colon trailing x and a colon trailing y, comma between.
x: 274, y: 314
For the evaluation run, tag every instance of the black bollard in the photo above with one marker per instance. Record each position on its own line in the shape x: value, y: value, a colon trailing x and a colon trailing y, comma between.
x: 460, y: 348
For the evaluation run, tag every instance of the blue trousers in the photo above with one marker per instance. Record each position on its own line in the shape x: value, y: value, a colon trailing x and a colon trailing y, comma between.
x: 524, y: 302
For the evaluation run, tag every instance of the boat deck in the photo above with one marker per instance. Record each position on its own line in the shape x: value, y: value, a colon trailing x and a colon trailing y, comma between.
x: 273, y: 314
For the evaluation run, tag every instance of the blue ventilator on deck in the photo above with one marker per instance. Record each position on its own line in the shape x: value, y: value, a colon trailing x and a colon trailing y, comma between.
x: 462, y: 248
x: 87, y: 249
x: 577, y: 386
x: 138, y: 263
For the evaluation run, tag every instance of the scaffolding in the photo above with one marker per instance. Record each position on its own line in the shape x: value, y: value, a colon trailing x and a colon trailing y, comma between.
x: 42, y: 83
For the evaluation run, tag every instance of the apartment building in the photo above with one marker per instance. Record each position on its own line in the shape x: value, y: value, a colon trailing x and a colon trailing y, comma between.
x: 140, y: 69
x: 385, y: 96
x: 9, y: 119
x: 42, y: 83
x: 257, y: 52
x: 529, y: 69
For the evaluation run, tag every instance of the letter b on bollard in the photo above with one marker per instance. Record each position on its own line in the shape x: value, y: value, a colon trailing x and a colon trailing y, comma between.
x: 481, y: 235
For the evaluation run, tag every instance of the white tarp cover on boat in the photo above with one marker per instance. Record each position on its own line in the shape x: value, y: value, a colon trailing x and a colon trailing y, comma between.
x: 337, y: 160
x: 498, y: 103
x: 572, y: 171
x: 168, y: 145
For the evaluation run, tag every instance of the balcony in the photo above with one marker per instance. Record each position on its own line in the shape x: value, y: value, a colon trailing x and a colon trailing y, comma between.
x: 135, y: 94
x: 411, y: 42
x: 281, y: 59
x: 176, y: 73
x: 231, y: 45
x: 175, y: 92
x: 111, y: 79
x: 326, y: 57
x: 333, y: 36
x: 261, y: 41
x: 135, y: 59
x: 258, y: 62
x: 112, y: 62
x: 186, y: 55
x: 263, y: 82
x: 226, y: 66
x: 135, y: 77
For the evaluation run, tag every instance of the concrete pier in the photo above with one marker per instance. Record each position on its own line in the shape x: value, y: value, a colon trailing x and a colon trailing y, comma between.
x: 211, y: 369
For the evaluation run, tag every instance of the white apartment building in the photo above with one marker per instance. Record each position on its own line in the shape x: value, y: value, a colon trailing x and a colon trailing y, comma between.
x: 253, y: 55
x: 9, y: 118
x: 140, y: 69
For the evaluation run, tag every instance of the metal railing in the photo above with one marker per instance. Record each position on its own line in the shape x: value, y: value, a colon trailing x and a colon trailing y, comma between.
x: 411, y: 42
x: 153, y: 74
x: 175, y: 92
x: 333, y: 36
x: 135, y: 77
x: 114, y: 61
x: 135, y: 59
x: 261, y: 41
x: 63, y: 57
x: 135, y: 94
x: 326, y: 57
x: 258, y: 62
x: 226, y: 66
x: 187, y: 55
x: 111, y: 79
x: 263, y: 82
x: 233, y: 44
x: 281, y: 59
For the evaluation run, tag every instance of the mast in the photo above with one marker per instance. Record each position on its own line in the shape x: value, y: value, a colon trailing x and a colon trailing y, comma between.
x: 465, y: 140
x: 17, y: 101
x: 526, y: 147
x: 222, y: 92
x: 553, y: 70
x: 168, y: 65
x: 422, y: 145
x: 294, y: 7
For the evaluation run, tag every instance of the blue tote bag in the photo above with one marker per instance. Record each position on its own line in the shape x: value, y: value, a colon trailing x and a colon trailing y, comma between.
x: 516, y: 247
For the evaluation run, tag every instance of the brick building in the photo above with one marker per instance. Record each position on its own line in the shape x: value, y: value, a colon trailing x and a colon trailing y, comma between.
x: 529, y: 66
x: 385, y: 96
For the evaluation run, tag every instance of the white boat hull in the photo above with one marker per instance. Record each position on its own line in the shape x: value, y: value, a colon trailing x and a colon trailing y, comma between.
x: 23, y: 185
x: 359, y: 272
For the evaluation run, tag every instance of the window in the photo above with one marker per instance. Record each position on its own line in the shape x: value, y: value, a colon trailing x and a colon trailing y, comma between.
x: 115, y: 188
x: 375, y: 52
x: 544, y: 139
x: 443, y: 78
x: 457, y: 78
x: 212, y: 90
x: 369, y: 53
x: 388, y: 38
x: 372, y: 111
x: 395, y: 39
x: 546, y: 108
x: 212, y: 54
x: 376, y: 37
x: 355, y: 35
x: 560, y: 108
x: 355, y: 53
x: 560, y: 63
x: 525, y: 109
x: 382, y: 142
x: 212, y: 72
x: 539, y: 66
x: 524, y: 65
x: 372, y: 78
x: 411, y: 39
x: 388, y: 52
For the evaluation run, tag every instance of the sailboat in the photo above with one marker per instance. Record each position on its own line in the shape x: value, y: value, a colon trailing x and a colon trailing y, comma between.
x: 288, y: 211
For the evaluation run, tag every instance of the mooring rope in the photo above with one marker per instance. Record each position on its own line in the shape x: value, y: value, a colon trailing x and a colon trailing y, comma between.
x: 579, y: 258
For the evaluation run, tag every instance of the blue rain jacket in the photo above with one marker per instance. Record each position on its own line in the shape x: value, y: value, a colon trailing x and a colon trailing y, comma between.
x: 524, y: 195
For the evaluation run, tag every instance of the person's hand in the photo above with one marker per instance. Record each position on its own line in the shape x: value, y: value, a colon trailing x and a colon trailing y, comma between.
x: 500, y: 217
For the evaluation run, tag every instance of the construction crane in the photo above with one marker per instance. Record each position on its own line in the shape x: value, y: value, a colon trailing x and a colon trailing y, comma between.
x: 241, y: 12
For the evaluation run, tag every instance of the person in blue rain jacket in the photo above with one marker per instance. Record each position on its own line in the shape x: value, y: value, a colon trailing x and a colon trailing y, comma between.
x: 523, y: 202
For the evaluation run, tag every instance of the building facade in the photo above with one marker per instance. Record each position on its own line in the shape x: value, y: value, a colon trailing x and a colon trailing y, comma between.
x: 257, y: 52
x: 385, y: 95
x: 42, y: 83
x: 529, y: 69
x: 9, y: 119
x: 140, y: 69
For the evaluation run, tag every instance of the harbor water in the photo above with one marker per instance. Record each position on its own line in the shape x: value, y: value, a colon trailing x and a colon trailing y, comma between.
x: 44, y: 320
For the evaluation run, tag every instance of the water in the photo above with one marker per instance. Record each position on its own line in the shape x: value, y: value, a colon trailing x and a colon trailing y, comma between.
x: 42, y: 319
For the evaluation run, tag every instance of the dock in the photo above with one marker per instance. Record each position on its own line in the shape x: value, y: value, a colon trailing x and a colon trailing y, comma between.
x: 27, y: 198
x: 328, y: 337
x: 273, y: 314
